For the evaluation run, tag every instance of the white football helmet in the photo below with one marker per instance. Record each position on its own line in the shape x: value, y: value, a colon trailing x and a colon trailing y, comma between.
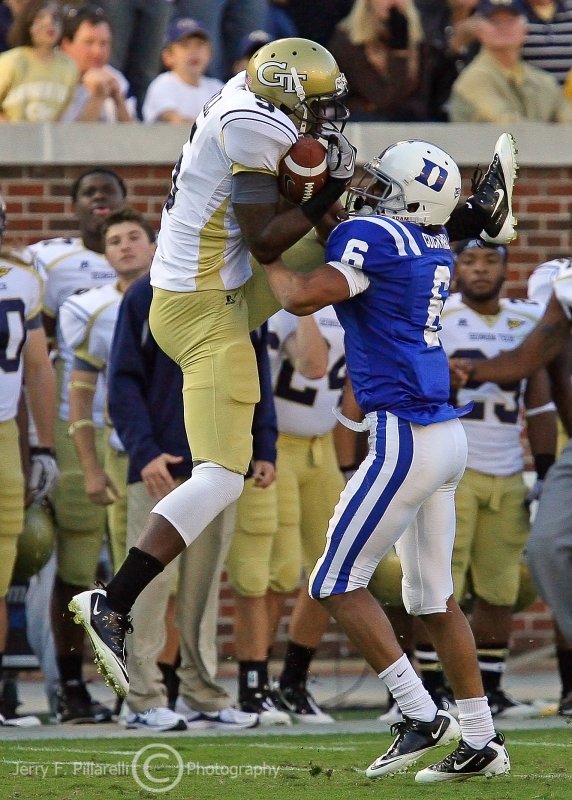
x: 413, y: 181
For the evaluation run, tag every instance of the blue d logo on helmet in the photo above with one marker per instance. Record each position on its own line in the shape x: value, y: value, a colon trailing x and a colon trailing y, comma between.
x: 428, y: 177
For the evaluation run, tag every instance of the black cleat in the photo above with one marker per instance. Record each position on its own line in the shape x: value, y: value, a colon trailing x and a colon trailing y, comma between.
x: 300, y: 703
x: 492, y: 193
x: 506, y: 707
x: 444, y: 700
x: 106, y: 630
x: 412, y: 740
x: 565, y: 705
x: 76, y: 705
x: 465, y: 762
x: 262, y: 702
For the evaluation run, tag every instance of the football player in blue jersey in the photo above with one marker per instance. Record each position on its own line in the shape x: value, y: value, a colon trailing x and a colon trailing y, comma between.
x: 388, y: 270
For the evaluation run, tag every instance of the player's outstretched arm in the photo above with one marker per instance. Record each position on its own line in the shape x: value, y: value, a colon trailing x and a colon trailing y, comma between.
x: 540, y: 347
x: 303, y: 294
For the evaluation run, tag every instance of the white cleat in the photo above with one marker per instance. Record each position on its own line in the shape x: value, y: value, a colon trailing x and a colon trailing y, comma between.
x: 493, y: 194
x: 465, y: 762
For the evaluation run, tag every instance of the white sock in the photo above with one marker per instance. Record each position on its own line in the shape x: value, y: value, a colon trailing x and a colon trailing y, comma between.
x: 196, y: 502
x: 408, y: 691
x: 475, y: 719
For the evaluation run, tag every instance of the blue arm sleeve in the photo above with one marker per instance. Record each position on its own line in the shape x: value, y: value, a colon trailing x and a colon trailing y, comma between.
x: 264, y: 424
x: 127, y: 379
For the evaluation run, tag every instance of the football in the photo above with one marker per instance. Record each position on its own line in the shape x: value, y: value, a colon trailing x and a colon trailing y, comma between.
x: 303, y: 171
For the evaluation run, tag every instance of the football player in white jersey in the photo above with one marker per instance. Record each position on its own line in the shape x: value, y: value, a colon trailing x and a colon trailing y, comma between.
x: 491, y: 513
x: 68, y: 266
x: 264, y: 562
x: 23, y: 359
x: 87, y: 322
x: 223, y: 206
x: 549, y: 548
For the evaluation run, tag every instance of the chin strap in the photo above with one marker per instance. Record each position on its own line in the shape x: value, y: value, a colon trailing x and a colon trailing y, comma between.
x: 301, y: 95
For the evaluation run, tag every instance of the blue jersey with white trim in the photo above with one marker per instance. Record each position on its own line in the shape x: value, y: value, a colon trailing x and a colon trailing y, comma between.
x: 394, y: 356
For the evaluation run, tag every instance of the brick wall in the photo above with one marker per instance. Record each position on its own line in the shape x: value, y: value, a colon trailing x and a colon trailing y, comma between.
x: 39, y: 207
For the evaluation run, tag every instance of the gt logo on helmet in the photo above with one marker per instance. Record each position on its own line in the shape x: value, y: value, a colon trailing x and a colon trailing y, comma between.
x: 269, y: 74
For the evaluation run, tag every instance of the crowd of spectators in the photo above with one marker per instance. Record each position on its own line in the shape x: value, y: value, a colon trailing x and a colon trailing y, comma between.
x: 405, y: 60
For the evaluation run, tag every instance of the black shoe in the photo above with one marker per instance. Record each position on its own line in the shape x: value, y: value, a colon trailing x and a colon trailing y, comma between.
x: 465, y: 762
x: 9, y: 703
x: 302, y: 705
x: 504, y: 706
x: 444, y: 700
x: 76, y: 705
x: 412, y: 740
x: 106, y: 630
x: 565, y: 706
x: 493, y: 192
x: 262, y: 702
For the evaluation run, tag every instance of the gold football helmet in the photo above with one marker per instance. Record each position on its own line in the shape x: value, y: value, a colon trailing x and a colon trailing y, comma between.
x: 35, y: 543
x: 302, y: 79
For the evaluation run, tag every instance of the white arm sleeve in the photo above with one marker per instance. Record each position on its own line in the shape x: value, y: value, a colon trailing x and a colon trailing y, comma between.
x: 357, y: 281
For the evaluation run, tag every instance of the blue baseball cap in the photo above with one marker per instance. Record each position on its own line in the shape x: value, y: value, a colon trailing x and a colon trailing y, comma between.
x: 470, y: 244
x: 488, y: 7
x: 249, y: 44
x: 182, y: 28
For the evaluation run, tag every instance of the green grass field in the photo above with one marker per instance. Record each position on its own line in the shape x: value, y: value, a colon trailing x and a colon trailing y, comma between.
x: 310, y: 766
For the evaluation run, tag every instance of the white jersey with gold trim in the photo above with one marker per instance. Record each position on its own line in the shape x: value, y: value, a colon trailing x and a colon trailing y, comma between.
x: 87, y: 321
x: 304, y: 406
x: 542, y: 282
x: 562, y: 283
x: 67, y: 266
x: 493, y: 427
x: 200, y: 245
x: 20, y: 309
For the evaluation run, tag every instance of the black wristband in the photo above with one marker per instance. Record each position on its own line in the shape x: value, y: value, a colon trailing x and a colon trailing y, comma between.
x: 316, y: 207
x: 542, y: 463
x: 43, y: 451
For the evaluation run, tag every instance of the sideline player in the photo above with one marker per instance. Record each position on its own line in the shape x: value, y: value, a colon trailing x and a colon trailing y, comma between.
x: 388, y: 273
x: 275, y: 534
x: 492, y: 516
x: 87, y: 321
x: 549, y: 547
x: 23, y: 358
x: 70, y: 265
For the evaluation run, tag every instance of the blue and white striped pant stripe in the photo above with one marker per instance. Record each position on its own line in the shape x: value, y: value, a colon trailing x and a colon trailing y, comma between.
x: 404, y: 488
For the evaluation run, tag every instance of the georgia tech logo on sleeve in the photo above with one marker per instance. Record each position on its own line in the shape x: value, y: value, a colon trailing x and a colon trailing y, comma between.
x: 274, y: 73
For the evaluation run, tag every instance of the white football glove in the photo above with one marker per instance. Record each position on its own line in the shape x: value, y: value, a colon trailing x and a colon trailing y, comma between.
x: 534, y: 493
x: 341, y: 156
x: 44, y: 473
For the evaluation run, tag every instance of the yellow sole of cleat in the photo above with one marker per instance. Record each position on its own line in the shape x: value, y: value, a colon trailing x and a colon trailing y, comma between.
x: 99, y: 663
